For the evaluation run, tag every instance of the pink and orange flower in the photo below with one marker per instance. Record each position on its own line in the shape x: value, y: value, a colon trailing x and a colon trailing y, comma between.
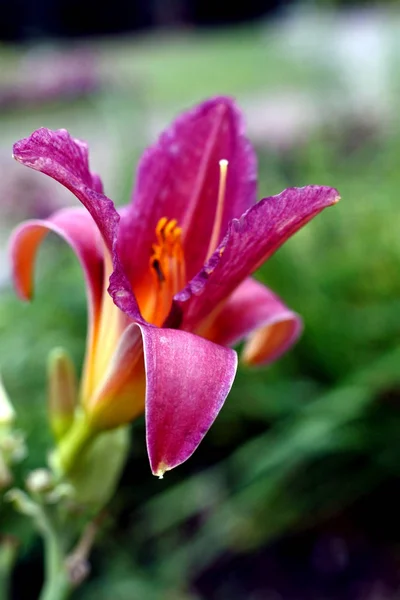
x: 177, y: 262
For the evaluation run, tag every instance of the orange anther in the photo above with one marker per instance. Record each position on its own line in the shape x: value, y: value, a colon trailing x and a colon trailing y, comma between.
x: 168, y: 267
x: 170, y: 227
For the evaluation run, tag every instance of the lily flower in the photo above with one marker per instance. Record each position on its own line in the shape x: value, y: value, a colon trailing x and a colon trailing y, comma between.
x: 177, y: 262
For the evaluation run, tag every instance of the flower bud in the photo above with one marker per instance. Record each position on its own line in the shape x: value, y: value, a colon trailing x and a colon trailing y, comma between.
x: 7, y: 413
x: 5, y: 473
x: 12, y: 446
x: 62, y: 391
x: 39, y: 481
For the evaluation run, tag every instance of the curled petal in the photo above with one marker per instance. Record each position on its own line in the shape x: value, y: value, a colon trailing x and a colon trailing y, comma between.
x: 66, y: 160
x: 178, y: 178
x: 187, y: 381
x: 250, y: 241
x: 255, y: 313
x: 183, y: 382
x: 78, y: 229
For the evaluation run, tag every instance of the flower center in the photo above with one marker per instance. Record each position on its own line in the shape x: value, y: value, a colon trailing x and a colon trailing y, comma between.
x: 167, y: 264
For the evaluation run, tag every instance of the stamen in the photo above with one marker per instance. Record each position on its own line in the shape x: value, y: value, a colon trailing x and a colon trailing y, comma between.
x: 168, y: 267
x: 223, y: 171
x: 160, y: 229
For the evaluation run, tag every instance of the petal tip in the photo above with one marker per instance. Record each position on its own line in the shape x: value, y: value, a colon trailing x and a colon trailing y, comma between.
x: 333, y: 195
x: 15, y: 155
x: 24, y: 295
x: 161, y: 469
x: 268, y: 344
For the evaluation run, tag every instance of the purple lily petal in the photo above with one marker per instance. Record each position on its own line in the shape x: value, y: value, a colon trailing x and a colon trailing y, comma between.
x: 66, y: 160
x: 178, y: 178
x: 254, y: 312
x: 250, y: 241
x: 78, y: 229
x: 187, y: 381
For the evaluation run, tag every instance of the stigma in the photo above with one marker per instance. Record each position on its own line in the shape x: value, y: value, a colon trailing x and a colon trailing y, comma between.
x: 167, y: 264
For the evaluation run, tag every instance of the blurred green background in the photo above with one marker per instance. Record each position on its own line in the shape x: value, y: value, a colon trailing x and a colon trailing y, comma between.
x: 294, y: 493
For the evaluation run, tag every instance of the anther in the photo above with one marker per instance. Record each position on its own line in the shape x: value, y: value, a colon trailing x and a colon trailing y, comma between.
x: 168, y: 267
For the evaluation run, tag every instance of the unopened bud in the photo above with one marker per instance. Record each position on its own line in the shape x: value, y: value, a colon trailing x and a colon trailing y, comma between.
x: 7, y: 413
x: 62, y: 391
x: 39, y: 481
x: 5, y: 473
x: 8, y: 554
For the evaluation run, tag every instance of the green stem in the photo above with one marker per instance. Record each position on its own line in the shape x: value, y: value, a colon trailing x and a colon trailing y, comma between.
x: 57, y: 585
x: 8, y: 553
x: 70, y: 449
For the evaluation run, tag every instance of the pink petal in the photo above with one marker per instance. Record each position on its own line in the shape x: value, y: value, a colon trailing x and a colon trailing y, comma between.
x: 66, y: 160
x: 183, y: 380
x: 78, y: 229
x: 250, y: 241
x: 255, y: 313
x: 187, y: 381
x: 178, y: 178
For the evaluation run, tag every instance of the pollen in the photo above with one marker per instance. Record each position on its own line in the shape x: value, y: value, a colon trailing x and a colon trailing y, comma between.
x: 167, y: 265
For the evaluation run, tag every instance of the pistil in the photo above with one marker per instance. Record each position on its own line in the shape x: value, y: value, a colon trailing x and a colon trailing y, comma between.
x: 216, y: 232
